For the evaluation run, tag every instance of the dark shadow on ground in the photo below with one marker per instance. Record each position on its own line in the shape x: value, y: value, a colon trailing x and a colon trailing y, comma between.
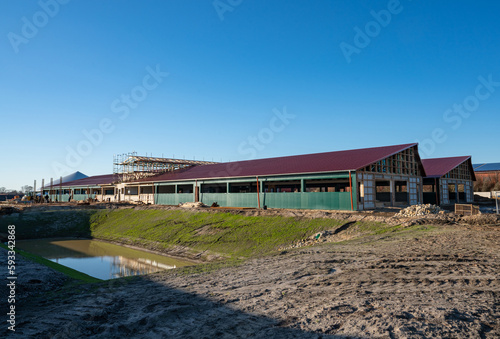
x: 140, y: 308
x: 45, y: 222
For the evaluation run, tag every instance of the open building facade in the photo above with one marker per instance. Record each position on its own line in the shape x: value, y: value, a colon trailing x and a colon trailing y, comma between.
x: 448, y: 180
x: 358, y: 179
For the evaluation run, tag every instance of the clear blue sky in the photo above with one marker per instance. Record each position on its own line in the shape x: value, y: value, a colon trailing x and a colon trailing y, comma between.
x: 83, y: 65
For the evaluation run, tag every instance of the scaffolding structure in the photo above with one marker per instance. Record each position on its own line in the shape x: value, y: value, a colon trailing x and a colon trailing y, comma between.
x: 130, y: 167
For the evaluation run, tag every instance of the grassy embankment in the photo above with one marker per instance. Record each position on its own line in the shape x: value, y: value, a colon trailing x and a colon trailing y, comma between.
x: 231, y: 236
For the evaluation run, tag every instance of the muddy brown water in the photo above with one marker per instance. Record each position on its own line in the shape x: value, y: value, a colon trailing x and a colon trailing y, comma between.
x: 100, y: 259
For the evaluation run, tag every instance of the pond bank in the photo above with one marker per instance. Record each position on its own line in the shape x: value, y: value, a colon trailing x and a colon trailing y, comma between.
x: 205, y: 234
x: 100, y: 259
x: 198, y: 235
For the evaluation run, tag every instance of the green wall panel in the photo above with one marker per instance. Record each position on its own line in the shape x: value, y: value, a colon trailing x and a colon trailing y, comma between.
x: 63, y: 198
x: 230, y: 199
x: 173, y: 198
x: 312, y: 200
x: 82, y: 196
x: 316, y: 200
x: 298, y: 200
x: 244, y: 200
x: 220, y: 198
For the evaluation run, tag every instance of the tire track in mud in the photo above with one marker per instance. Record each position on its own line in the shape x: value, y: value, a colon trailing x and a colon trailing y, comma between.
x: 449, y: 278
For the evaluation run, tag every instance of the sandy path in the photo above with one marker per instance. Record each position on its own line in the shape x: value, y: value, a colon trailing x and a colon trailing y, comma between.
x: 441, y: 286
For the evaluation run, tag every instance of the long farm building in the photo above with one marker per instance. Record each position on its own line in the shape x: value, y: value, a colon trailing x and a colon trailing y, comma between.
x: 358, y: 179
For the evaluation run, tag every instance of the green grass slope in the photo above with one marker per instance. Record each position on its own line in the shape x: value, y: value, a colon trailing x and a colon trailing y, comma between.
x: 231, y: 235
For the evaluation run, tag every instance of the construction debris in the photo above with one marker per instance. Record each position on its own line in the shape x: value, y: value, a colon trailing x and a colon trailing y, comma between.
x: 419, y: 211
x: 192, y: 205
x: 466, y: 209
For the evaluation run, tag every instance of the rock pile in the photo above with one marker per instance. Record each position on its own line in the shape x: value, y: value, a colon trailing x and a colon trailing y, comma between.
x: 420, y: 210
x: 192, y: 205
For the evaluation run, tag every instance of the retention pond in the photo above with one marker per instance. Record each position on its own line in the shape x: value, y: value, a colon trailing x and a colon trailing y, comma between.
x: 100, y: 259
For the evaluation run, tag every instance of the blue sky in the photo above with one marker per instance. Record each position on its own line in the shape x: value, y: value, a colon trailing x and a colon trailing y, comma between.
x: 234, y: 80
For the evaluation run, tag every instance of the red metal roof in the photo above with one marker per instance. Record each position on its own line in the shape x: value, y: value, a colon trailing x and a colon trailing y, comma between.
x: 90, y: 181
x: 437, y: 167
x: 298, y: 164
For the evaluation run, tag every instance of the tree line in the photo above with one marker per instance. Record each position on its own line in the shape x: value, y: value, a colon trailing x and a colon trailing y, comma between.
x: 24, y: 190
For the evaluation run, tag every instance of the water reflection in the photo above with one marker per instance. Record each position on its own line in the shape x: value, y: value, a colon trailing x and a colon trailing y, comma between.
x: 129, y: 266
x: 99, y: 259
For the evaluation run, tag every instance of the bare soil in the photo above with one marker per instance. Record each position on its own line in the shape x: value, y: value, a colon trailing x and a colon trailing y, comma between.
x: 440, y: 284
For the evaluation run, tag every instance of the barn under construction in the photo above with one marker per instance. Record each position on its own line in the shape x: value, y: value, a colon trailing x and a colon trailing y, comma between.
x: 448, y: 180
x: 358, y: 179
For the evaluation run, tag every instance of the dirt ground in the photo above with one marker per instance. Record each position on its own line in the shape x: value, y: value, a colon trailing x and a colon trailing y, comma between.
x: 444, y: 284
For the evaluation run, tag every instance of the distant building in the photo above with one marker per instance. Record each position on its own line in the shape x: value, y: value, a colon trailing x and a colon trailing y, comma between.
x: 488, y: 176
x: 80, y: 189
x: 482, y: 169
x: 70, y: 177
